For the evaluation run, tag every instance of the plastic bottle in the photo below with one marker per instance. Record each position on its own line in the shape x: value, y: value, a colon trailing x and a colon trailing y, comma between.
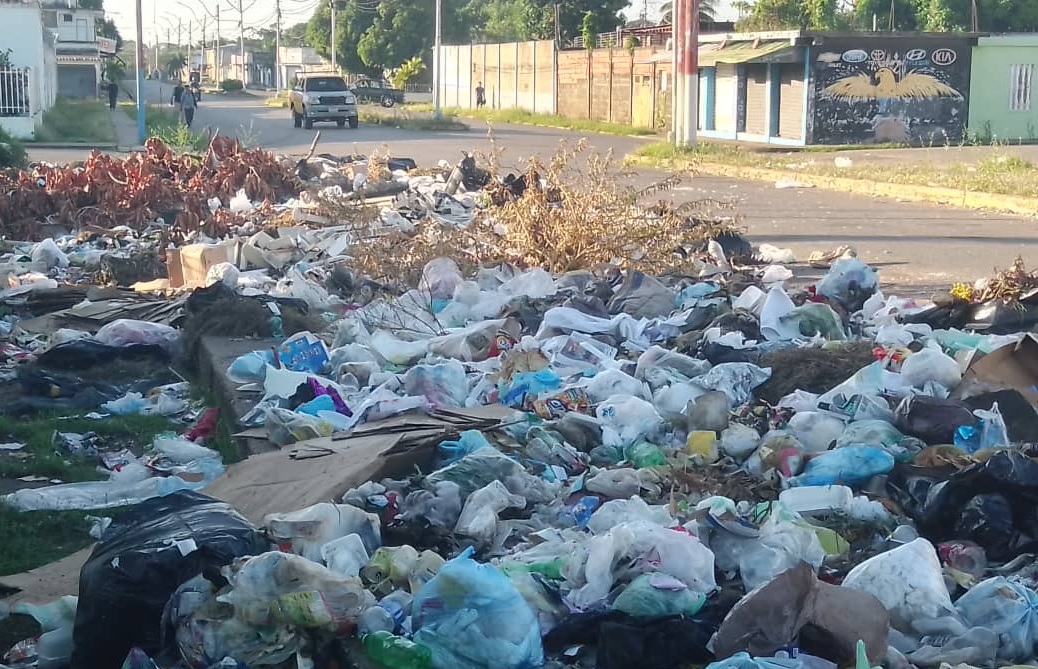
x: 388, y: 615
x: 643, y: 454
x: 389, y: 564
x: 422, y: 571
x: 396, y: 652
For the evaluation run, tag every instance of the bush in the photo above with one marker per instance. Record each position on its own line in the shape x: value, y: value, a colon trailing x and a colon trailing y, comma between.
x: 229, y: 85
x: 12, y: 153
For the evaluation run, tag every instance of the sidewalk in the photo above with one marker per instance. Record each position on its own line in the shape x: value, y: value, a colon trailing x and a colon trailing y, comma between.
x: 125, y: 129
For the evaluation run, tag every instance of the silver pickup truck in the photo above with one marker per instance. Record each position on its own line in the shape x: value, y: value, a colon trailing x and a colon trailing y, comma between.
x: 322, y: 98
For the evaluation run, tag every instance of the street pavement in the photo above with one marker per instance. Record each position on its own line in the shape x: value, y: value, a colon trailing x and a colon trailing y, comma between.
x: 919, y: 248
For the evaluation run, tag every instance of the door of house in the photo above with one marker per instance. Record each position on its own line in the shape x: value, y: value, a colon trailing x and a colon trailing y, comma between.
x: 82, y: 30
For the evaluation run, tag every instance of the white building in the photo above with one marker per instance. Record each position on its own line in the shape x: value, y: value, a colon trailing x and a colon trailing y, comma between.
x: 79, y: 64
x: 295, y: 60
x: 28, y: 80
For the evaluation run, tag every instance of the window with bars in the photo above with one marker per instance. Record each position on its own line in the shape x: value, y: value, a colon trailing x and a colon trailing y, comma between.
x: 1020, y: 78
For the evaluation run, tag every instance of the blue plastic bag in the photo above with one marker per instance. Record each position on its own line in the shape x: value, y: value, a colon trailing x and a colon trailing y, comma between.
x: 251, y: 367
x: 471, y: 616
x: 850, y: 466
x: 468, y: 441
x: 528, y: 383
x: 1006, y: 608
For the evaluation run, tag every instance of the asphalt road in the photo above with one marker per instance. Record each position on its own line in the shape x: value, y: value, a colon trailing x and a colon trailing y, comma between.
x: 919, y: 248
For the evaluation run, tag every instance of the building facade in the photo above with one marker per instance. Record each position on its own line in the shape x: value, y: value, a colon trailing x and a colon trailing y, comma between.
x: 28, y: 73
x: 79, y: 63
x: 1003, y: 106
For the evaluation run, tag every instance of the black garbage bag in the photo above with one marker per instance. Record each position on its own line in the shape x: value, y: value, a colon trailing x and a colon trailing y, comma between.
x: 142, y: 558
x: 993, y: 503
x: 1020, y: 417
x: 85, y: 353
x: 627, y: 642
x: 932, y: 419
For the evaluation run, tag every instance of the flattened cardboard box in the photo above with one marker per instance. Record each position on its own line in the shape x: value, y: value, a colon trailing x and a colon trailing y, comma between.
x: 1014, y: 366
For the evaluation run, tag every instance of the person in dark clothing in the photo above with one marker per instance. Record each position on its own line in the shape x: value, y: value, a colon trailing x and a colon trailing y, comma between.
x: 113, y: 94
x: 178, y: 92
x: 188, y: 105
x: 481, y: 95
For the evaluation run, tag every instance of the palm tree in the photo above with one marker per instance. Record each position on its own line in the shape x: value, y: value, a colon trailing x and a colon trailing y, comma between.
x: 707, y: 11
x: 175, y: 62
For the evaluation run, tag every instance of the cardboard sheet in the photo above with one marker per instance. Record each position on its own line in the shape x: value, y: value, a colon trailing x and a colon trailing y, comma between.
x: 1012, y: 367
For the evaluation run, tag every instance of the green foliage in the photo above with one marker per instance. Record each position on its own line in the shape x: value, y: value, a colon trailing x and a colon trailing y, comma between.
x: 790, y: 14
x: 229, y: 85
x: 403, y: 29
x: 350, y: 25
x: 707, y: 11
x: 114, y: 70
x: 588, y: 30
x: 513, y: 20
x: 12, y: 153
x: 294, y: 35
x: 107, y: 28
x: 174, y: 63
x: 948, y: 15
x: 408, y: 72
x: 5, y: 59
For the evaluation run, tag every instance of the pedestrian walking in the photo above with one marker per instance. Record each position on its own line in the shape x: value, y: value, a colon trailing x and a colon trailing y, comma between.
x: 188, y: 105
x: 481, y: 95
x: 113, y: 94
x: 178, y: 93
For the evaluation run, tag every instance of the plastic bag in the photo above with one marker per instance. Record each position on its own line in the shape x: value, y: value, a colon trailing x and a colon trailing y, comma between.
x: 652, y: 549
x: 53, y: 615
x: 909, y: 582
x: 780, y: 545
x: 478, y: 518
x: 535, y: 284
x: 988, y: 432
x: 850, y: 282
x: 931, y: 419
x: 815, y: 430
x: 735, y: 379
x: 471, y: 616
x: 443, y: 384
x: 642, y: 296
x: 479, y: 469
x: 127, y: 332
x: 613, y: 382
x: 1007, y: 608
x: 850, y: 466
x: 439, y: 507
x: 286, y: 427
x: 658, y: 595
x: 618, y: 511
x: 440, y: 278
x: 739, y: 441
x: 870, y: 433
x: 288, y: 589
x: 658, y: 366
x: 250, y: 368
x: 142, y: 558
x: 48, y: 254
x: 306, y: 531
x: 672, y: 401
x: 626, y: 420
x: 931, y: 365
x: 205, y: 633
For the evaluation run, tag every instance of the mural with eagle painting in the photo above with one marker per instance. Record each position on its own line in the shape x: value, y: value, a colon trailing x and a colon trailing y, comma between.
x: 891, y: 95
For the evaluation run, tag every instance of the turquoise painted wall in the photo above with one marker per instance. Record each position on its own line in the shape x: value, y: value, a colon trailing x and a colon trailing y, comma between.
x: 991, y: 117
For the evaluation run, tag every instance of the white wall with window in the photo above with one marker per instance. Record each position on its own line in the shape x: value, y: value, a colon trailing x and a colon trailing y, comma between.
x: 27, y: 84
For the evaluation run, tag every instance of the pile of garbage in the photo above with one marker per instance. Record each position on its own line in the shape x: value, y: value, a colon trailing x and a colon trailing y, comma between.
x: 521, y: 464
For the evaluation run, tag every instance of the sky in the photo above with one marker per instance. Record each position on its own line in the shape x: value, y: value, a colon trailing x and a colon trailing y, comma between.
x: 165, y: 15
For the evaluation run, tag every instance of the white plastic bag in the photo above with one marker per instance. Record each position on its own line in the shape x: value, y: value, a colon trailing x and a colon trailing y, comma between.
x: 535, y: 284
x: 815, y: 430
x: 440, y: 278
x: 668, y: 367
x: 652, y: 549
x: 782, y: 544
x: 478, y: 518
x: 48, y: 254
x: 671, y: 401
x: 908, y: 581
x: 612, y: 382
x: 443, y: 384
x: 345, y: 555
x: 1007, y: 608
x: 739, y: 441
x: 126, y: 332
x: 618, y: 511
x: 306, y: 531
x: 931, y: 365
x: 626, y: 419
x: 735, y: 379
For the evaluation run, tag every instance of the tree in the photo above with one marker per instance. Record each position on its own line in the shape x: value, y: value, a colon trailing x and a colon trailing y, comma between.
x: 1000, y: 16
x: 350, y: 25
x: 174, y: 63
x: 114, y: 70
x: 707, y: 11
x: 408, y: 72
x: 512, y: 20
x: 790, y: 14
x: 294, y: 35
x: 403, y: 29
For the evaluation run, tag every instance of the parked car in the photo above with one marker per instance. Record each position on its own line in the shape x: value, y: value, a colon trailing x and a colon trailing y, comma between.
x: 322, y: 98
x: 381, y: 92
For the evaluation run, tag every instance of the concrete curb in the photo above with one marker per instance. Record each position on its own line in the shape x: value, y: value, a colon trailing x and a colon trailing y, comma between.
x: 1014, y: 204
x: 106, y: 146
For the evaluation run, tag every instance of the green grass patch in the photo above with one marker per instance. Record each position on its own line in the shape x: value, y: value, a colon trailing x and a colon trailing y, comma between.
x: 136, y: 432
x: 34, y: 538
x: 12, y: 151
x: 996, y: 171
x: 523, y: 117
x: 76, y: 121
x: 166, y: 124
x: 408, y: 120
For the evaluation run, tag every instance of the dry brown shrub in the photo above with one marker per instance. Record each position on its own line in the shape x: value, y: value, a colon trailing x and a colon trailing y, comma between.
x: 588, y: 213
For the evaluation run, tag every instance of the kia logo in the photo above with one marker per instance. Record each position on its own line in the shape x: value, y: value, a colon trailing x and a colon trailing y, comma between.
x: 944, y: 57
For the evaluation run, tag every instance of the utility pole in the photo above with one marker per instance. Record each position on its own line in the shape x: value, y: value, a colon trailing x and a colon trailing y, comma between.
x: 558, y: 30
x: 277, y: 46
x: 180, y: 27
x: 437, y: 112
x: 335, y: 65
x: 138, y: 55
x: 189, y: 39
x: 241, y: 41
x: 218, y: 59
x: 686, y: 72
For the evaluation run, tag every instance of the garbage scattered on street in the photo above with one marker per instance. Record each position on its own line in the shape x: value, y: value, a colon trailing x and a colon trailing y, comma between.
x: 507, y: 422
